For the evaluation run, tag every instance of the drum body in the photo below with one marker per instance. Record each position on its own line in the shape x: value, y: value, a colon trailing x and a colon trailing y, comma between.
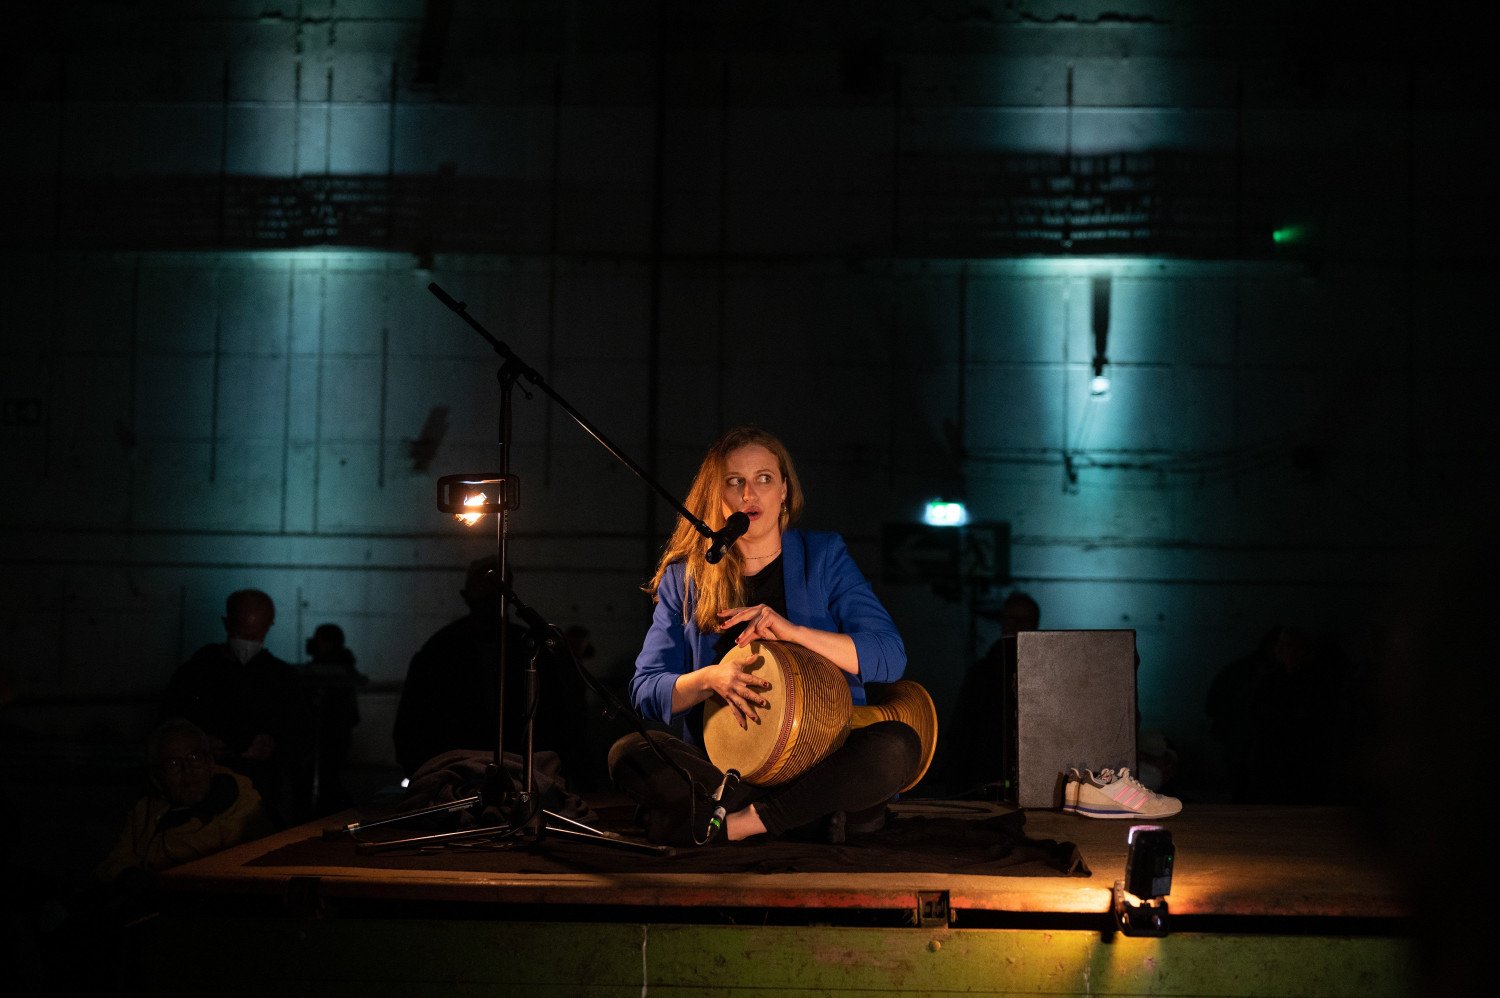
x: 909, y: 703
x: 808, y: 718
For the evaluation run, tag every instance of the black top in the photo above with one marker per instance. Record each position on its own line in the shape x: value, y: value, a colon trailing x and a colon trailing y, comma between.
x: 767, y: 586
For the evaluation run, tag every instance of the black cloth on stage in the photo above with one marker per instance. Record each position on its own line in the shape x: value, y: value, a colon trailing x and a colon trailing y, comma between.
x: 950, y: 837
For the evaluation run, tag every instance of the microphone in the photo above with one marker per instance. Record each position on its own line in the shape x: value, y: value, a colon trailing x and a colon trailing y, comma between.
x: 731, y: 780
x: 734, y: 529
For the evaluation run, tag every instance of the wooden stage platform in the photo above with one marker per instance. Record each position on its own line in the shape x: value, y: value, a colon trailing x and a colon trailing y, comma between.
x: 1232, y: 861
x: 1264, y: 901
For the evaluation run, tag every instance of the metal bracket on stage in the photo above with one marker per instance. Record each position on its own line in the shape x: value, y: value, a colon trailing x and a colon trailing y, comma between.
x: 1149, y: 918
x: 932, y: 909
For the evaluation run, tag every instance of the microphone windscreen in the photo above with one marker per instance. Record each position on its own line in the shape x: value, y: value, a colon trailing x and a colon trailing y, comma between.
x: 735, y: 527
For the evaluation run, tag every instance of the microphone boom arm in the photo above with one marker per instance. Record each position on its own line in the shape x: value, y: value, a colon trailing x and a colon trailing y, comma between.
x: 529, y: 373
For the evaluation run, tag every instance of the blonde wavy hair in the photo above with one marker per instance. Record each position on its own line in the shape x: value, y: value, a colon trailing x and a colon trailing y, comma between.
x: 719, y: 587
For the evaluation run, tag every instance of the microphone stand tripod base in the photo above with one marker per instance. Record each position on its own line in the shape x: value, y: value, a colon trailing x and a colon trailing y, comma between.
x: 499, y: 793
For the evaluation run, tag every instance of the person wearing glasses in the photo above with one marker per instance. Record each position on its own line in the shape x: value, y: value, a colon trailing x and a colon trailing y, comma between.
x: 194, y: 807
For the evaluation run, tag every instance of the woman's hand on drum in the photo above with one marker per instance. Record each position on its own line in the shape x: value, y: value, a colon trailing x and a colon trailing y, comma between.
x: 764, y: 624
x: 741, y: 690
x: 761, y: 624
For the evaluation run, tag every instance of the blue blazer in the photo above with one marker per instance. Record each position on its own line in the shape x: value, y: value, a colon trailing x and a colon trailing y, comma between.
x: 824, y: 589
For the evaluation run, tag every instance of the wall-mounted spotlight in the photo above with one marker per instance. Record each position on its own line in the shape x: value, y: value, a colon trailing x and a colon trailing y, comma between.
x: 471, y: 497
x: 943, y: 513
x: 1100, y: 312
x: 1148, y: 879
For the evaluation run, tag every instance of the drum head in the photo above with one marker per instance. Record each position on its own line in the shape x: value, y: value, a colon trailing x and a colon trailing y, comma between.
x: 750, y: 750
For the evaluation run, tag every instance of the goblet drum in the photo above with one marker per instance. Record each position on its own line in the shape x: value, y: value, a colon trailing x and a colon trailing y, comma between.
x: 811, y: 714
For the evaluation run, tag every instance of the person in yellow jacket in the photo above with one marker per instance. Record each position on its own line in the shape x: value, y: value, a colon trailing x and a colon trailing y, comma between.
x: 194, y: 808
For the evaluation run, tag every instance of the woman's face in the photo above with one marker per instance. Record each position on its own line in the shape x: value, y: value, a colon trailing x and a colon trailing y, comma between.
x: 753, y: 485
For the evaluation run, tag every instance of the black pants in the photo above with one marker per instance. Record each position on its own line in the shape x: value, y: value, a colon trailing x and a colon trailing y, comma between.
x: 872, y: 765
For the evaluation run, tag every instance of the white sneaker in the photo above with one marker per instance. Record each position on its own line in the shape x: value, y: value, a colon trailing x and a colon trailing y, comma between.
x: 1073, y: 779
x: 1117, y: 794
x: 1070, y: 791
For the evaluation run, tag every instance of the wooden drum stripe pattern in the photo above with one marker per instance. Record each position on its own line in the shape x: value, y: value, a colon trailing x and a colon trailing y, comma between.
x: 822, y: 723
x: 791, y: 684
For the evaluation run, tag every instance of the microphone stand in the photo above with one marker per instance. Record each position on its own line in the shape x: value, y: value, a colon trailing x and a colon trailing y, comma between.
x: 499, y: 789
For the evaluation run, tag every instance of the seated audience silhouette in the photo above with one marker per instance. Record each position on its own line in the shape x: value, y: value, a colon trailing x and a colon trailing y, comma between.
x: 248, y: 701
x: 332, y: 683
x: 1280, y: 714
x: 451, y: 695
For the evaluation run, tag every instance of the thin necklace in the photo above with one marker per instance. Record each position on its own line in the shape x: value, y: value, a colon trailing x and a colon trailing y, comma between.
x: 762, y: 557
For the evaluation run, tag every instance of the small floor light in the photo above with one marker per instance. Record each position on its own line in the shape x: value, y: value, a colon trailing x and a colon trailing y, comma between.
x: 1148, y: 879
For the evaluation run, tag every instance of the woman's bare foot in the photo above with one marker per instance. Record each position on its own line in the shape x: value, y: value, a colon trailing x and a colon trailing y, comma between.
x: 744, y: 823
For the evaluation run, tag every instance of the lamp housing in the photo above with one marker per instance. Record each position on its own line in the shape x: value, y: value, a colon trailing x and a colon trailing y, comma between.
x: 475, y: 494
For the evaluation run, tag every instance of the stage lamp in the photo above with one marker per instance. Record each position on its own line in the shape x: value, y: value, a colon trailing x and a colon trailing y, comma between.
x: 1148, y: 879
x: 470, y: 497
x: 1099, y: 385
x: 942, y: 513
x: 1101, y: 287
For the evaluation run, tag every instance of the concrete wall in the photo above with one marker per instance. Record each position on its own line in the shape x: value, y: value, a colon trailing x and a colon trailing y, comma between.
x: 877, y: 236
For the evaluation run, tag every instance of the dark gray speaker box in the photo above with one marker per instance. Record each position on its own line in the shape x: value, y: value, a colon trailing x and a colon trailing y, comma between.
x: 1074, y: 707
